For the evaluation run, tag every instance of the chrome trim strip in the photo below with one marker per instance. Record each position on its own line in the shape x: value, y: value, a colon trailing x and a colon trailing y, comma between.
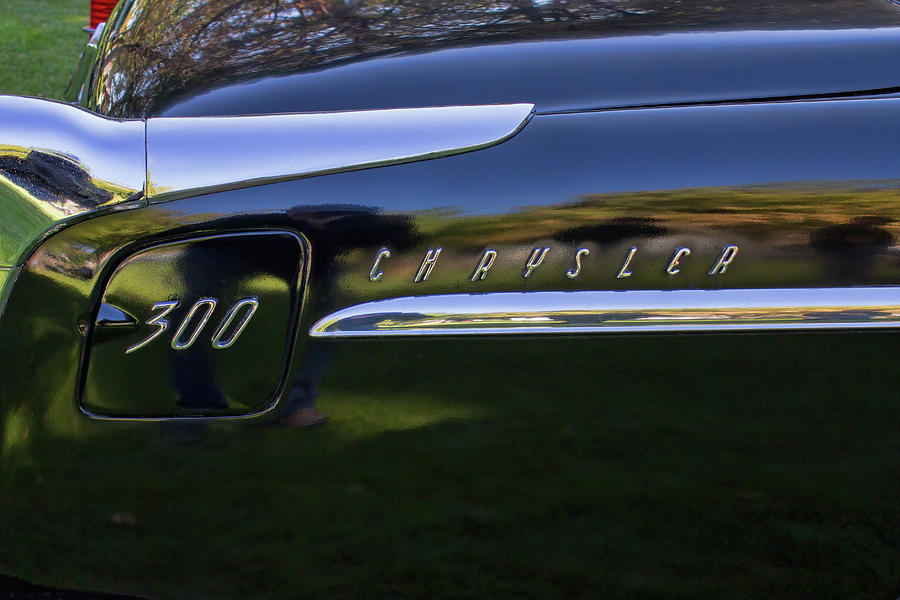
x: 111, y: 152
x: 58, y: 161
x: 617, y: 312
x: 80, y: 79
x: 96, y: 34
x: 188, y: 154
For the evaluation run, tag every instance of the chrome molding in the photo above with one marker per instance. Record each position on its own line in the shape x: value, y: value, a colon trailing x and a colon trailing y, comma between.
x: 205, y: 153
x: 81, y: 78
x: 617, y: 312
x: 58, y: 162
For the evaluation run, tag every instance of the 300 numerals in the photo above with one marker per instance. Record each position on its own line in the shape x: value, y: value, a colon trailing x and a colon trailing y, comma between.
x: 226, y: 334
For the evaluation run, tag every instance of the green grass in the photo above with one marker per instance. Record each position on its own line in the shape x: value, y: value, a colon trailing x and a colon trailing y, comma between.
x: 40, y: 42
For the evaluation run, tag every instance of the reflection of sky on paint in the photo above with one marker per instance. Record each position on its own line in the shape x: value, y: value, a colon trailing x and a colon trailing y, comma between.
x: 585, y: 73
x: 559, y: 159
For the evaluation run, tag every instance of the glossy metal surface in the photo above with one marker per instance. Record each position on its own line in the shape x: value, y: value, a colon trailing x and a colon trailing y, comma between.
x: 662, y: 465
x: 575, y: 271
x: 667, y: 466
x: 7, y: 279
x: 199, y: 154
x: 375, y: 273
x: 81, y: 77
x: 535, y: 260
x: 729, y: 253
x: 776, y: 181
x: 58, y: 163
x: 617, y: 312
x: 427, y: 265
x: 673, y: 266
x: 220, y: 57
x: 227, y: 333
x: 624, y: 271
x: 207, y: 306
x: 220, y: 343
x: 160, y: 311
x: 484, y: 265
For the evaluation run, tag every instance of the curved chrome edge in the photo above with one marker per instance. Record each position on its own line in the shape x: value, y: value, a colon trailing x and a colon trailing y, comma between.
x: 95, y: 161
x: 208, y: 153
x: 58, y: 162
x: 81, y: 77
x: 7, y: 279
x: 617, y: 312
x: 110, y: 151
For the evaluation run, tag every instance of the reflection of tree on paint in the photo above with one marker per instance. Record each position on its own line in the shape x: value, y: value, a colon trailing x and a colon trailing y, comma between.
x: 851, y: 248
x: 613, y: 231
x: 783, y: 210
x: 193, y: 376
x: 54, y: 178
x: 166, y: 49
x: 217, y: 268
x: 333, y: 230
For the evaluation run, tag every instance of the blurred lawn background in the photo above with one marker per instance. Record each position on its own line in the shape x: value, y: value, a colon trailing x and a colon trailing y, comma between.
x: 40, y: 42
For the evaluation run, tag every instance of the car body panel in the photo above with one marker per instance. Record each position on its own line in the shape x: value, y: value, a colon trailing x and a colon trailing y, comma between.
x: 220, y: 57
x: 540, y: 464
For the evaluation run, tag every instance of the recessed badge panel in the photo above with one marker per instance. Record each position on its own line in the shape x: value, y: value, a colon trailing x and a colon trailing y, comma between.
x: 196, y: 328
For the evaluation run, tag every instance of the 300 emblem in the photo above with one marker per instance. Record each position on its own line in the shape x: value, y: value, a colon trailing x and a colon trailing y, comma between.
x: 242, y: 311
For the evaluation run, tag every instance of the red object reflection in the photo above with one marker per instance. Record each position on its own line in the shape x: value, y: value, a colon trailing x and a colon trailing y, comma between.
x: 100, y: 10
